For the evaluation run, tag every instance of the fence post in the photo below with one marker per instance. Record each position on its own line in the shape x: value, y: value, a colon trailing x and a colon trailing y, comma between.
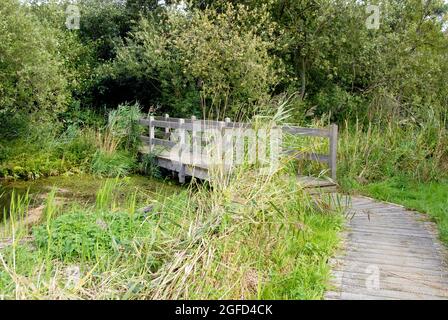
x: 167, y: 130
x: 333, y: 150
x: 221, y: 143
x: 151, y: 133
x: 181, y: 168
x: 228, y: 143
x: 194, y: 143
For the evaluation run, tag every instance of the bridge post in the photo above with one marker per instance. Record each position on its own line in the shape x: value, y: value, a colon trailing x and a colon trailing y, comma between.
x: 333, y: 150
x: 167, y: 130
x: 151, y: 133
x: 181, y: 168
x: 194, y: 143
x: 227, y: 145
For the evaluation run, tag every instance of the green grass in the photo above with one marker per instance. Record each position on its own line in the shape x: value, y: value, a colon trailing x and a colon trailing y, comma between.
x: 304, y: 277
x: 251, y: 237
x: 430, y: 198
x: 42, y: 152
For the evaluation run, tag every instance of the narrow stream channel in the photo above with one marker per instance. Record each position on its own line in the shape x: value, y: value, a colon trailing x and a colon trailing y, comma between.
x: 82, y: 188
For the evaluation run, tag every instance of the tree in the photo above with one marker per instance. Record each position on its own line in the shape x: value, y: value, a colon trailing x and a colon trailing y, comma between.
x: 201, y: 62
x: 31, y: 72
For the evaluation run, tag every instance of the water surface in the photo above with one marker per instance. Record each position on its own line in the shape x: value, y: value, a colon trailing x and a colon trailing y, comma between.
x: 83, y: 188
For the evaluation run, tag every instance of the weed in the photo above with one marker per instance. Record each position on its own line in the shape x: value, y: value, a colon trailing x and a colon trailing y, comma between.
x: 117, y: 164
x: 149, y: 167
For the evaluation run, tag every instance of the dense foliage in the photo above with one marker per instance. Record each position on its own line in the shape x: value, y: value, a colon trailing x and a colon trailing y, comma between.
x: 32, y: 71
x: 70, y: 100
x: 216, y: 59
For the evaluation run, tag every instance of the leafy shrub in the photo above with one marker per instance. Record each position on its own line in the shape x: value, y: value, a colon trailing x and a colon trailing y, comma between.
x: 40, y: 165
x: 31, y: 71
x: 228, y: 71
x: 88, y: 235
x: 339, y: 104
x: 14, y: 125
x: 77, y: 146
x: 45, y: 153
x: 75, y: 115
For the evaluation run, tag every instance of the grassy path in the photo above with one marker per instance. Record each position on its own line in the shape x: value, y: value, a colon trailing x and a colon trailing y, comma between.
x: 389, y: 253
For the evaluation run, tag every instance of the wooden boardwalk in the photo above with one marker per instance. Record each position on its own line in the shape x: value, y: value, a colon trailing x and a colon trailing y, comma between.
x: 388, y: 253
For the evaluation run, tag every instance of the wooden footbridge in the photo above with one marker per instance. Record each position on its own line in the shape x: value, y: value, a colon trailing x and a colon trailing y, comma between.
x: 178, y: 144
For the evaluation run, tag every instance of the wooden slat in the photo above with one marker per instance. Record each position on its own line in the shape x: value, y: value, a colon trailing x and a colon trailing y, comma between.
x: 167, y: 130
x: 310, y: 132
x: 238, y: 125
x: 206, y: 123
x: 165, y: 124
x: 308, y: 156
x: 151, y: 133
x: 144, y: 122
x: 311, y: 182
x: 164, y: 143
x: 159, y: 142
x: 199, y: 124
x: 182, y: 142
x: 186, y: 120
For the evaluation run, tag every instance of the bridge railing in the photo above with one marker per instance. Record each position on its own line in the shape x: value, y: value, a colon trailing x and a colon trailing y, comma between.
x: 167, y: 123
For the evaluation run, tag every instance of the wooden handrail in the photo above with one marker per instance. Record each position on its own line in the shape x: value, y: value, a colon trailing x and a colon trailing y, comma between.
x: 167, y: 123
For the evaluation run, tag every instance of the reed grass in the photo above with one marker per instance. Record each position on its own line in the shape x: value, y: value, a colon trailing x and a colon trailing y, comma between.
x: 13, y: 217
x: 371, y: 153
x: 248, y: 236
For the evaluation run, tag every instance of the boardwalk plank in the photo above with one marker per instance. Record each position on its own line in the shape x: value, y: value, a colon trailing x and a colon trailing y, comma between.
x: 396, y: 245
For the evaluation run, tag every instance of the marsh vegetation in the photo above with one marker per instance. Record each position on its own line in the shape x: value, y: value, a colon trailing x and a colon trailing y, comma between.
x: 107, y: 223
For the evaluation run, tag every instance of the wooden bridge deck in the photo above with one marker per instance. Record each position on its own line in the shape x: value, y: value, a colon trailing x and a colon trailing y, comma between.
x: 389, y: 253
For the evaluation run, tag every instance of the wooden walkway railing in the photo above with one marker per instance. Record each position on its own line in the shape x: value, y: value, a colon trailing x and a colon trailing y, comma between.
x: 167, y: 123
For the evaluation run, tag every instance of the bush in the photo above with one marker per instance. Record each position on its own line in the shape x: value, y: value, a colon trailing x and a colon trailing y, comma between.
x: 32, y: 77
x: 228, y: 71
x: 82, y: 235
x: 77, y: 146
x: 45, y: 153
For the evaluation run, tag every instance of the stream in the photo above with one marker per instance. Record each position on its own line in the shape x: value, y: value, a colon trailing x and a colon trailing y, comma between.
x: 83, y: 188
